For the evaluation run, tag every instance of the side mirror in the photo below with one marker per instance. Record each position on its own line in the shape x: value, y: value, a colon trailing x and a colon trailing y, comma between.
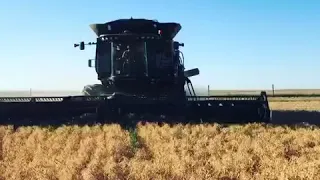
x: 82, y: 45
x: 90, y: 63
x: 177, y: 45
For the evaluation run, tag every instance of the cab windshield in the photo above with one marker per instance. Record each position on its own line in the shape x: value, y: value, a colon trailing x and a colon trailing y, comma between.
x: 129, y: 59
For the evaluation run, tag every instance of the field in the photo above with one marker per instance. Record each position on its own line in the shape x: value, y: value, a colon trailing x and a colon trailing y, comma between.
x: 253, y: 151
x: 277, y: 91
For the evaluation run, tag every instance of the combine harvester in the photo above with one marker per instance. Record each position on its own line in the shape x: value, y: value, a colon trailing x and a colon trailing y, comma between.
x: 142, y: 73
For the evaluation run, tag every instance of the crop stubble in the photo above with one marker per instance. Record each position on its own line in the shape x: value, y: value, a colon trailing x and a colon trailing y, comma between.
x: 204, y: 151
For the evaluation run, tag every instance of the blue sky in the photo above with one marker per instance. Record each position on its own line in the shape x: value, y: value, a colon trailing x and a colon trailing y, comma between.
x: 235, y: 44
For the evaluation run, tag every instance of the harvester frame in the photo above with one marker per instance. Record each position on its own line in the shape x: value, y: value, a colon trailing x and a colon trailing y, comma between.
x: 136, y: 92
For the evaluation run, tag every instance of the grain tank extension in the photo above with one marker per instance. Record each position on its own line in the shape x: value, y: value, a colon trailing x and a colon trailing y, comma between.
x: 143, y: 77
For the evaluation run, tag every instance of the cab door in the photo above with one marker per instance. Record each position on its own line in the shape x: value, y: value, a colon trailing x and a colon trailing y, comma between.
x: 103, y: 59
x: 160, y: 59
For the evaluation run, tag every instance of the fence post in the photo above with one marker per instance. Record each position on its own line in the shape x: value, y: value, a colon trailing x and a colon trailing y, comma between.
x: 273, y: 90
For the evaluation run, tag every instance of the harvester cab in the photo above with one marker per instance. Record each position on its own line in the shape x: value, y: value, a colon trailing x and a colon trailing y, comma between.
x: 138, y: 57
x: 142, y: 71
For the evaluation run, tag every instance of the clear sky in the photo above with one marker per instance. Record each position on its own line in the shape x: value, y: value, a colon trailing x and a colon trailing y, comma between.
x: 235, y: 44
